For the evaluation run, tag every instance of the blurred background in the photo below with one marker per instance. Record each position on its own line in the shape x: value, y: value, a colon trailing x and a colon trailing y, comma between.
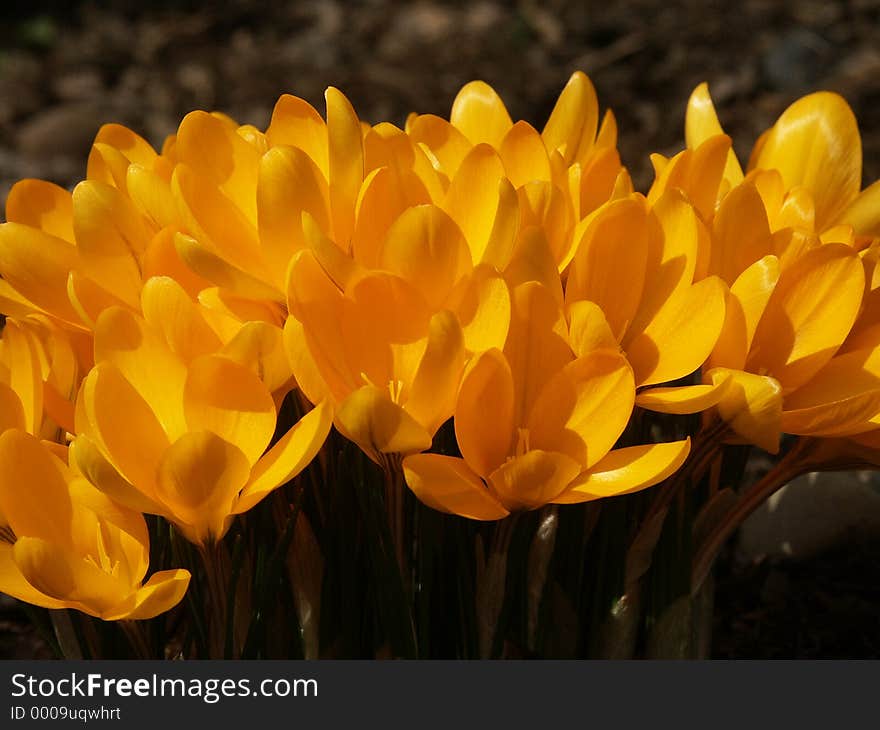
x: 804, y: 580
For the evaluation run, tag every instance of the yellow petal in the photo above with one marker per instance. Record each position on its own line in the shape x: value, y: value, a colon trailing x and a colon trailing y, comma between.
x: 588, y: 329
x: 446, y: 143
x: 524, y: 155
x: 25, y: 377
x: 484, y: 412
x: 838, y: 418
x: 41, y: 205
x: 628, y: 470
x: 290, y: 183
x: 701, y: 123
x: 169, y: 310
x: 14, y: 584
x: 609, y: 266
x: 260, y: 347
x: 118, y: 420
x: 844, y: 377
x: 214, y: 220
x: 426, y: 247
x: 200, y: 477
x: 681, y: 399
x: 302, y: 364
x: 680, y: 338
x: 11, y: 411
x: 432, y: 395
x: 482, y: 305
x: 229, y: 400
x: 746, y: 303
x: 95, y: 467
x: 161, y: 593
x: 752, y: 406
x: 479, y: 114
x: 584, y: 408
x: 447, y: 484
x: 210, y: 144
x: 533, y: 261
x: 295, y: 123
x: 863, y: 213
x: 543, y: 204
x: 151, y: 195
x: 218, y: 271
x: 287, y: 458
x: 37, y: 265
x: 537, y: 345
x: 573, y: 121
x: 809, y: 315
x: 33, y: 491
x: 741, y: 233
x: 599, y: 181
x: 346, y: 164
x: 474, y: 200
x: 533, y: 479
x: 161, y: 259
x: 144, y: 360
x: 816, y: 143
x: 370, y: 419
x: 134, y: 147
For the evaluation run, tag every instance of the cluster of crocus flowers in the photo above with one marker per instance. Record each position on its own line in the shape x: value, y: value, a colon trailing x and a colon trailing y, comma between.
x: 391, y: 280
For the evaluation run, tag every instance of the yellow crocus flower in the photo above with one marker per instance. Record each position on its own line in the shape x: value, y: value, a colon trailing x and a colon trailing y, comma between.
x: 183, y: 439
x: 63, y: 544
x: 537, y: 425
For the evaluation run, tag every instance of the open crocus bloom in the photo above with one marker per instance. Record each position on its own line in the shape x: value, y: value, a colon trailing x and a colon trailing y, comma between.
x: 640, y: 266
x: 536, y: 425
x: 813, y: 159
x: 63, y: 544
x: 379, y: 352
x: 183, y: 440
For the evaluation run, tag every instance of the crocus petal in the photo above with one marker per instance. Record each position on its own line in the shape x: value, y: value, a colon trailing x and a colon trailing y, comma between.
x: 701, y: 122
x: 111, y: 239
x: 346, y: 164
x: 37, y: 265
x: 210, y: 144
x: 200, y: 477
x: 220, y: 272
x: 533, y: 479
x: 484, y: 412
x: 681, y: 399
x: 863, y: 213
x: 370, y: 419
x: 229, y: 400
x: 741, y: 233
x: 446, y: 143
x: 537, y: 345
x: 162, y: 592
x: 144, y: 360
x: 475, y: 203
x: 118, y: 420
x: 447, y: 484
x: 816, y: 143
x: 479, y: 114
x: 290, y: 183
x: 25, y: 376
x: 584, y: 408
x: 573, y: 121
x: 14, y: 584
x: 546, y: 206
x: 751, y: 405
x: 426, y: 248
x: 746, y: 303
x: 287, y: 458
x: 588, y: 330
x: 482, y: 305
x: 853, y: 415
x: 33, y: 492
x: 524, y: 155
x: 432, y: 394
x: 610, y: 263
x: 296, y: 123
x: 11, y: 411
x: 41, y: 205
x: 151, y: 195
x: 628, y: 470
x: 679, y: 339
x: 169, y: 310
x: 533, y: 261
x: 809, y: 315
